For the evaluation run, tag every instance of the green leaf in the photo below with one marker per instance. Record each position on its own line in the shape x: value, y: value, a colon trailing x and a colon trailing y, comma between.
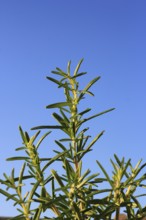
x: 60, y: 182
x: 17, y: 158
x: 47, y: 127
x: 21, y: 176
x: 99, y: 201
x: 20, y: 148
x: 105, y: 173
x: 48, y: 179
x: 77, y: 211
x: 137, y: 203
x: 9, y: 196
x: 60, y: 120
x: 41, y: 139
x: 85, y: 111
x: 86, y: 181
x: 125, y: 167
x: 53, y: 160
x: 45, y: 159
x: 91, y: 144
x: 69, y: 170
x: 65, y: 139
x: 84, y: 175
x: 12, y: 175
x: 61, y: 145
x: 55, y: 81
x: 22, y: 135
x: 38, y: 212
x: 78, y: 75
x: 7, y: 183
x: 89, y: 93
x: 68, y: 68
x: 33, y: 138
x: 96, y: 115
x: 139, y: 170
x: 32, y: 192
x: 59, y: 105
x: 78, y: 67
x: 87, y: 87
x: 59, y: 72
x: 64, y: 116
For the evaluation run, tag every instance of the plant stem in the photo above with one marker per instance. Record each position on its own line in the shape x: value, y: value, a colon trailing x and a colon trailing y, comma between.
x: 24, y: 207
x: 117, y: 213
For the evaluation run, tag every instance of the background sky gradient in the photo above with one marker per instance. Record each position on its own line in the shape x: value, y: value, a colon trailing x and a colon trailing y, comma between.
x: 36, y: 36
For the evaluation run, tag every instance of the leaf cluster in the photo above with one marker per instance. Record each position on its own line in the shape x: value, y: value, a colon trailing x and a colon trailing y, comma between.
x: 75, y: 193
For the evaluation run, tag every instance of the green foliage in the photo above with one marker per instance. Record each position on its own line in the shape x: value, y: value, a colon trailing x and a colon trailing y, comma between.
x: 73, y: 194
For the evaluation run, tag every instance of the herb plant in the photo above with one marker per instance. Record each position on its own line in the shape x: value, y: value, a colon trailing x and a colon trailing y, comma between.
x: 74, y: 194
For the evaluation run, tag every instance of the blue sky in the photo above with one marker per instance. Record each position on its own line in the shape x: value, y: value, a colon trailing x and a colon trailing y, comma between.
x: 37, y: 36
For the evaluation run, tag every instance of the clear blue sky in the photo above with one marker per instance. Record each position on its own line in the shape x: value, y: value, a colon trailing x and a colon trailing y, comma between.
x: 36, y: 36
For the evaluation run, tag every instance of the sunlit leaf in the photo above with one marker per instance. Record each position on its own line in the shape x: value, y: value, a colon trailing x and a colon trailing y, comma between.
x: 12, y: 197
x: 96, y: 115
x: 21, y: 176
x: 105, y: 173
x: 59, y: 72
x: 46, y: 127
x: 78, y: 67
x: 83, y: 92
x: 59, y: 105
x: 17, y: 158
x: 68, y: 68
x: 88, y: 148
x: 41, y: 139
x: 79, y: 74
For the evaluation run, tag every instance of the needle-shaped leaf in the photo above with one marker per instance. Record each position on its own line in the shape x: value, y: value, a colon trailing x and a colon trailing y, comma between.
x: 20, y: 148
x: 84, y: 112
x: 41, y: 139
x: 59, y: 180
x: 53, y: 160
x: 79, y: 74
x: 84, y: 175
x: 68, y: 68
x: 21, y: 176
x: 38, y: 212
x: 56, y: 81
x: 60, y: 119
x: 96, y: 115
x: 61, y: 145
x: 105, y: 173
x: 78, y: 67
x: 59, y: 72
x: 32, y: 193
x: 22, y: 135
x: 59, y: 105
x: 86, y: 181
x: 65, y: 139
x: 140, y: 168
x: 65, y: 117
x: 69, y: 170
x: 83, y: 92
x: 33, y: 138
x: 88, y: 148
x: 90, y: 93
x: 77, y: 211
x: 9, y: 196
x: 17, y: 158
x: 47, y: 127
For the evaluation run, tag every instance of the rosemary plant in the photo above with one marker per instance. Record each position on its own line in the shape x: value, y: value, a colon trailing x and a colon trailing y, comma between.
x: 74, y: 193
